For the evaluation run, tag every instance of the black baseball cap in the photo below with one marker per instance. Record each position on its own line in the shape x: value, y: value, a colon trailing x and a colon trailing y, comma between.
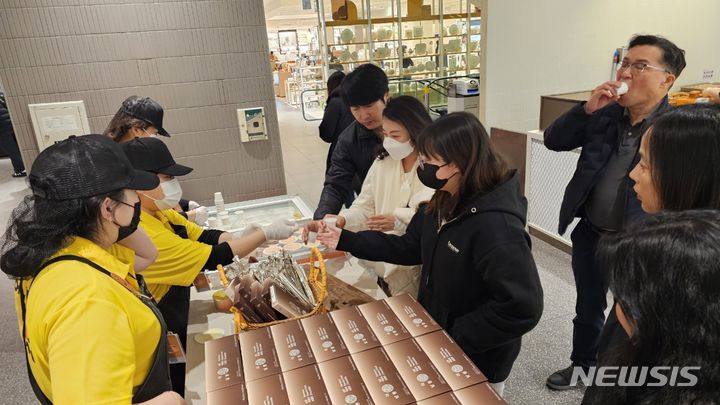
x: 85, y: 166
x: 146, y: 109
x: 152, y: 155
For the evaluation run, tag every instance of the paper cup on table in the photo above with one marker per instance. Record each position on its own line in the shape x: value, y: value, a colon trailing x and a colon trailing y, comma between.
x: 214, y: 222
x: 225, y: 219
x: 222, y: 301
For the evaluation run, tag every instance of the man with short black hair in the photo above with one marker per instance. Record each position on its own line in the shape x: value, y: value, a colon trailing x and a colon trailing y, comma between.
x: 365, y: 90
x: 608, y: 128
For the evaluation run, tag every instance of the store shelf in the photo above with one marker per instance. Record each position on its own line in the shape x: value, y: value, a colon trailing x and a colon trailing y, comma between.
x: 427, y: 38
x: 390, y: 20
x: 364, y: 42
x: 350, y: 43
x: 367, y: 61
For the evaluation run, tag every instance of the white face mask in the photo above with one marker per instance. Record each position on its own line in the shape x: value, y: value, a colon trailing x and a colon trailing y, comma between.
x: 397, y: 150
x: 173, y: 193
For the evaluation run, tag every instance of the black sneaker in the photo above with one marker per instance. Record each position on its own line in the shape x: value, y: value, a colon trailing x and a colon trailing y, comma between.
x: 20, y: 174
x: 560, y: 380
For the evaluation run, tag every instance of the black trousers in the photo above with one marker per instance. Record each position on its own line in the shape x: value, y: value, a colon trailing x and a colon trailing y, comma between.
x: 9, y: 145
x: 591, y: 287
x: 175, y: 307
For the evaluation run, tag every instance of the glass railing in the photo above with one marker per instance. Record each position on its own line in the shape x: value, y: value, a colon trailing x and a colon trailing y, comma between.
x: 432, y: 92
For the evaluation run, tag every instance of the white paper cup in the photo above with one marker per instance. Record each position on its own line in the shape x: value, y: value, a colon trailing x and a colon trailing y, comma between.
x: 331, y: 222
x: 214, y: 222
x: 226, y: 220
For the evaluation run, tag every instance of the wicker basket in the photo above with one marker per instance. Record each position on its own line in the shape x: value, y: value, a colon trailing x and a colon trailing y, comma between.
x: 318, y: 283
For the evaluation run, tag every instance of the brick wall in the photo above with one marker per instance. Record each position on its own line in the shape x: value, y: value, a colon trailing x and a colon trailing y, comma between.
x: 200, y: 59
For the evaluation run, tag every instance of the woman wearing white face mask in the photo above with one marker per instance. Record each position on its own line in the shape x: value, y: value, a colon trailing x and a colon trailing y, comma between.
x: 184, y: 249
x: 391, y: 191
x: 142, y: 117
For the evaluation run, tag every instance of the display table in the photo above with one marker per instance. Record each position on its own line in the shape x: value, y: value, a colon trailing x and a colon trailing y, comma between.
x: 204, y: 316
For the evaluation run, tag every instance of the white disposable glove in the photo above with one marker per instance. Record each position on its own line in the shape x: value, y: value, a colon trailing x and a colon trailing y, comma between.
x: 250, y: 228
x: 201, y: 215
x: 193, y: 205
x: 279, y: 229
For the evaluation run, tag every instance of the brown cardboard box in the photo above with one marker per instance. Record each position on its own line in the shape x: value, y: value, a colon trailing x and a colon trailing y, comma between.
x: 445, y: 399
x: 454, y: 365
x: 305, y: 386
x: 412, y: 315
x: 354, y: 329
x: 479, y: 394
x: 416, y: 369
x: 384, y: 323
x: 223, y: 364
x: 268, y: 391
x: 344, y: 383
x: 382, y: 379
x: 291, y: 345
x: 233, y: 395
x: 259, y: 358
x: 324, y: 338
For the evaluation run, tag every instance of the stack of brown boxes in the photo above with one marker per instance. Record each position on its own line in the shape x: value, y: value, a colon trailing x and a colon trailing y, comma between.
x: 383, y: 352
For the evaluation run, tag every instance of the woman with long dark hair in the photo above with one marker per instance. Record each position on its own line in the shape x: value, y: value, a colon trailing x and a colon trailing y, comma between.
x: 679, y: 166
x: 479, y: 279
x: 91, y: 333
x: 391, y: 191
x: 679, y: 169
x: 664, y: 272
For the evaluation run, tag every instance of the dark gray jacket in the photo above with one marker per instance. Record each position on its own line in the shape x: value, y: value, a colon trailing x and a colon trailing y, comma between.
x: 353, y: 155
x: 597, y: 135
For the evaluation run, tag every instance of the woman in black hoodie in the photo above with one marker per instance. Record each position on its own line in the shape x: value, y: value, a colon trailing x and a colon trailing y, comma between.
x: 337, y: 115
x: 479, y: 279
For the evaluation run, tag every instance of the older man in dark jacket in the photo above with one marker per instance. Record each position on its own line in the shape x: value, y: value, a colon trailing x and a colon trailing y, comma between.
x: 608, y: 128
x: 365, y: 90
x: 8, y: 143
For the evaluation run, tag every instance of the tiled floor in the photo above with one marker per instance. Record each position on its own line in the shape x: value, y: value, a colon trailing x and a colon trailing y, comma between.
x: 545, y: 349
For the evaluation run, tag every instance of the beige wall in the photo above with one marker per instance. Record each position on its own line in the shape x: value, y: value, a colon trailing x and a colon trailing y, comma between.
x: 537, y: 48
x: 200, y: 59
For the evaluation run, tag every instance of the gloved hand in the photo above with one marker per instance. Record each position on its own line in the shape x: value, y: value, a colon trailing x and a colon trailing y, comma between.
x: 250, y: 228
x: 192, y: 205
x: 279, y: 229
x: 201, y: 215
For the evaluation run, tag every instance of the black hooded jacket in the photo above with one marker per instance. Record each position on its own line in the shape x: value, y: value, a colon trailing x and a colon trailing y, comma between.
x: 479, y: 279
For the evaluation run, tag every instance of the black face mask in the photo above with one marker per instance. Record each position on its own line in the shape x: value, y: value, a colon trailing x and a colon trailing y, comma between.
x: 126, y: 230
x: 427, y: 173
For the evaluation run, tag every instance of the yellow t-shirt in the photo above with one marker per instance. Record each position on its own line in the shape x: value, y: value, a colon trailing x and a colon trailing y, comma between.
x: 179, y: 260
x: 91, y: 340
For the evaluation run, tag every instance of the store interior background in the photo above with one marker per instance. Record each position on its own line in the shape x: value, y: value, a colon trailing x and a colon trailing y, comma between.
x: 203, y: 59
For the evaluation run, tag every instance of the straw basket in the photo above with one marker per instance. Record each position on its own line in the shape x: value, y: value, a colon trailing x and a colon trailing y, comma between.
x: 318, y: 283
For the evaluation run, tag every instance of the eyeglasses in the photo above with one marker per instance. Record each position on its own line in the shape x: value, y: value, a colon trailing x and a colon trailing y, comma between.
x: 639, y: 67
x: 124, y: 203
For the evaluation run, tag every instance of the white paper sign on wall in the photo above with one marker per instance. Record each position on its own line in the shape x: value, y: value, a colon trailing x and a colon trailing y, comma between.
x: 252, y: 124
x: 54, y: 122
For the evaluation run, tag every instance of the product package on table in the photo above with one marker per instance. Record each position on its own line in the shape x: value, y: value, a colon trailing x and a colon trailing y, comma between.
x: 384, y: 352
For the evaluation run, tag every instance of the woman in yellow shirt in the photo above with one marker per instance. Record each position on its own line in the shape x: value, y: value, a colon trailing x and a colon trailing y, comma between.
x: 90, y: 333
x: 184, y: 249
